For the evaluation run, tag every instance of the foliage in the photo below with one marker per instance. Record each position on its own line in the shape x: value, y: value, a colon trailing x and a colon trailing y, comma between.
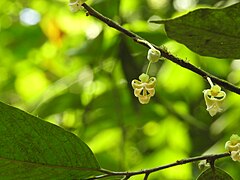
x: 76, y: 72
x: 203, y: 31
x: 33, y: 149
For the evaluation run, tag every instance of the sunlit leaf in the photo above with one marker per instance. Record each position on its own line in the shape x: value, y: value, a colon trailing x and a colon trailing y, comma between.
x: 208, y: 32
x: 218, y: 174
x: 34, y: 149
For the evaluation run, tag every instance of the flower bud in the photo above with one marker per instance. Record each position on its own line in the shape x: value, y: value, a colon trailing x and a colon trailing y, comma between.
x: 153, y: 55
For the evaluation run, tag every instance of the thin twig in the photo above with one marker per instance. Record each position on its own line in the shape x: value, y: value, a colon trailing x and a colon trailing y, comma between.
x: 208, y: 158
x: 146, y: 176
x: 164, y: 53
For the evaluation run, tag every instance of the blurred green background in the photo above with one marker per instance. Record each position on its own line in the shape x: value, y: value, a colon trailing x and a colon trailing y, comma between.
x: 74, y: 71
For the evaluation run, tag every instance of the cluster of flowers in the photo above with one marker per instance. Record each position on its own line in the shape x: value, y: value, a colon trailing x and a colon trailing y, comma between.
x: 144, y: 88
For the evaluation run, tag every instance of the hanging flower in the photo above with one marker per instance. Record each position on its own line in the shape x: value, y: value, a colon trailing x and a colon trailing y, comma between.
x: 233, y: 146
x: 214, y: 98
x: 144, y: 89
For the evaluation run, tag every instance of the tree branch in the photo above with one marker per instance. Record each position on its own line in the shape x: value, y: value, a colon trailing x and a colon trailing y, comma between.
x: 147, y: 172
x: 209, y: 158
x: 164, y: 53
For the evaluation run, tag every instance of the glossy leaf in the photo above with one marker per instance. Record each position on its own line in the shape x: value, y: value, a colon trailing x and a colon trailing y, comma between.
x: 34, y: 149
x: 208, y: 32
x: 218, y: 174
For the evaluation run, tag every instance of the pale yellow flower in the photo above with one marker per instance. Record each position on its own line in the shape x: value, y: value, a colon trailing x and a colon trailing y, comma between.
x: 233, y: 146
x: 214, y: 98
x: 144, y: 89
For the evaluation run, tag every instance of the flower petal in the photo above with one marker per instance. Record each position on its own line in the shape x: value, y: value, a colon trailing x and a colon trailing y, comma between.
x: 144, y: 99
x: 137, y: 92
x: 220, y: 96
x: 235, y: 155
x: 136, y: 84
x: 151, y: 91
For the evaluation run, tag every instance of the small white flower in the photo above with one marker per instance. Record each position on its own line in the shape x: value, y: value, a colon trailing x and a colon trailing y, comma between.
x: 75, y: 5
x: 214, y: 98
x: 233, y: 146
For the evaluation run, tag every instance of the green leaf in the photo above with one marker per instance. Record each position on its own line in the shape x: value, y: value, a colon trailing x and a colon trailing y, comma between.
x: 208, y: 32
x: 218, y: 174
x: 34, y: 149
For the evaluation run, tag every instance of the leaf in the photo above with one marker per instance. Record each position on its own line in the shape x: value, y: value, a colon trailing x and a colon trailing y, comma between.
x: 34, y: 149
x: 208, y: 32
x: 219, y: 174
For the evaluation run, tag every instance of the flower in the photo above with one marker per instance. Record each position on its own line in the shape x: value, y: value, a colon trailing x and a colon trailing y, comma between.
x: 144, y: 89
x: 214, y: 98
x: 75, y: 5
x: 233, y: 146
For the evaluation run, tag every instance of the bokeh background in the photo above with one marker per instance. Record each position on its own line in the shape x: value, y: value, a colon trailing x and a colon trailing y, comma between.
x: 74, y: 71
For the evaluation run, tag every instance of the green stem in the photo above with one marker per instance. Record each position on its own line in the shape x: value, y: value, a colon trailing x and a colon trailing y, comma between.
x: 210, y: 81
x: 148, y: 68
